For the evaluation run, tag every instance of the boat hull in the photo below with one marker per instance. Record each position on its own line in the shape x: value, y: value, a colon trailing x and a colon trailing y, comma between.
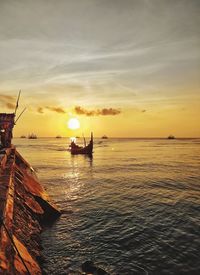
x: 82, y: 151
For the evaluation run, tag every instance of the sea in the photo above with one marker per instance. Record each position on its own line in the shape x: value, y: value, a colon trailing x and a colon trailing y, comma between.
x: 134, y: 208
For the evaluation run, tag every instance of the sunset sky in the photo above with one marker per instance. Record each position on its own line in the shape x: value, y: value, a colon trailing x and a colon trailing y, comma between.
x: 124, y: 68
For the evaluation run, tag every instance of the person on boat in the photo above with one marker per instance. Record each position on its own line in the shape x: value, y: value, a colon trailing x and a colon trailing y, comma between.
x: 74, y: 145
x: 6, y: 127
x: 6, y: 137
x: 3, y: 138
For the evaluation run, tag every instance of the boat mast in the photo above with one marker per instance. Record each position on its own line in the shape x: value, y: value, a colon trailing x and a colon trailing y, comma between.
x: 84, y: 140
x: 16, y: 107
x: 17, y: 103
x: 20, y: 115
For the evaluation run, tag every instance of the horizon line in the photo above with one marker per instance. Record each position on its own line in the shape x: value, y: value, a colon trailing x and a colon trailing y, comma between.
x: 112, y: 137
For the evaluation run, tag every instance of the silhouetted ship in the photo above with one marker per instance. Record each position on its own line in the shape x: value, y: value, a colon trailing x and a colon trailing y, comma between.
x: 171, y: 137
x: 23, y: 136
x: 104, y: 137
x: 32, y: 136
x: 58, y: 137
x: 86, y: 150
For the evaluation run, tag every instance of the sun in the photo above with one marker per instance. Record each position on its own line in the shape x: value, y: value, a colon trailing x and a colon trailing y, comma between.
x: 73, y: 123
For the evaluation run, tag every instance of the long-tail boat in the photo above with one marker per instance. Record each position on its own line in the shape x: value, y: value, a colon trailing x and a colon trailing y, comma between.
x: 86, y: 150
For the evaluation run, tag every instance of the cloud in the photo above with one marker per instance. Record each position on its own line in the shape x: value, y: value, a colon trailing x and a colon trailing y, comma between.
x: 99, y: 112
x: 40, y: 110
x: 10, y: 105
x: 56, y: 109
x: 59, y: 110
x: 7, y: 97
x: 7, y: 101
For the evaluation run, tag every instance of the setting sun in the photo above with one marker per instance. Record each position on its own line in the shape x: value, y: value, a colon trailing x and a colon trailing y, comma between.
x: 73, y: 124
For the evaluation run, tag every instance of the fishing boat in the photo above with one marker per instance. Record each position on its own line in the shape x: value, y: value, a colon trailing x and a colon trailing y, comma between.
x: 87, y: 149
x: 104, y: 137
x: 171, y: 137
x: 22, y: 136
x: 32, y: 136
x: 24, y: 206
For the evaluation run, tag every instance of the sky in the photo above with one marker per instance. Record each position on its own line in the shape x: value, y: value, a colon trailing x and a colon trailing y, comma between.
x: 126, y: 68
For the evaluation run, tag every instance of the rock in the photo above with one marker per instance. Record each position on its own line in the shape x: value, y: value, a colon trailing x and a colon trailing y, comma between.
x: 88, y: 267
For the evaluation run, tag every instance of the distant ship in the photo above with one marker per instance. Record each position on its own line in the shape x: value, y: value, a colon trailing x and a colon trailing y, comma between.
x: 32, y: 136
x: 171, y: 137
x: 23, y: 136
x: 104, y: 137
x: 58, y: 137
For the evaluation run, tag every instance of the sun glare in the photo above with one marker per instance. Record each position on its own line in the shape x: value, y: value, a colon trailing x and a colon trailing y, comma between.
x: 73, y: 124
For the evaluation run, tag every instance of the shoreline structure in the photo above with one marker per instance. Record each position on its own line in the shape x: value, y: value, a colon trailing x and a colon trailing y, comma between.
x: 24, y: 209
x: 24, y: 206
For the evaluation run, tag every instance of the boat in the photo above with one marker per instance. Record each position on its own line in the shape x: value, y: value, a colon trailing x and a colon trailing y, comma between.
x: 32, y: 136
x: 83, y: 150
x: 104, y: 137
x: 171, y: 137
x: 58, y: 137
x: 23, y: 136
x: 25, y: 207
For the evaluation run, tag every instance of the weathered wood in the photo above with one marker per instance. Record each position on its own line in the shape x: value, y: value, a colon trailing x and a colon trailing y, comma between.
x: 24, y: 207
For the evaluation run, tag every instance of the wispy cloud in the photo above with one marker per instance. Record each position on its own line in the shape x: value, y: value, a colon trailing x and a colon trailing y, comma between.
x: 105, y: 63
x: 7, y: 97
x: 98, y: 112
x: 56, y: 109
x: 59, y: 110
x: 10, y: 105
x: 40, y: 110
x: 7, y: 101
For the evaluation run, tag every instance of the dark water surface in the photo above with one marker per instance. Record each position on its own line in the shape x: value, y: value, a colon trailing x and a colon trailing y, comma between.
x: 132, y: 209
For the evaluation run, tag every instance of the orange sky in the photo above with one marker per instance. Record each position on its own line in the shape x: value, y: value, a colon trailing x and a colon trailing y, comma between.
x: 123, y: 68
x: 153, y: 121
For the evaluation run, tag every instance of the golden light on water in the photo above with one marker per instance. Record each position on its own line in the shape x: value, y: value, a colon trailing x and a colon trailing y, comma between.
x: 73, y: 124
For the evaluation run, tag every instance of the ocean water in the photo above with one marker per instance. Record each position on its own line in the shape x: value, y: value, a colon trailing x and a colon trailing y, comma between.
x: 134, y: 208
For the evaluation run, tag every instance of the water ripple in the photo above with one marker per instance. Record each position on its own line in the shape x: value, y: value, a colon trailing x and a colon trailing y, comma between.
x: 134, y: 208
